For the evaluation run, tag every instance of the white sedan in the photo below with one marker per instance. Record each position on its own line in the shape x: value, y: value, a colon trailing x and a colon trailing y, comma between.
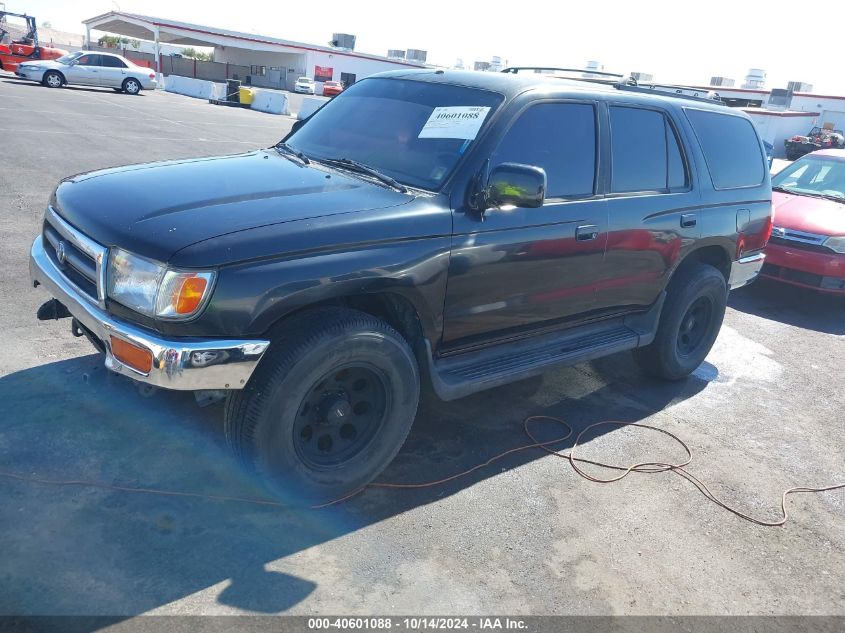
x: 90, y: 69
x: 305, y: 85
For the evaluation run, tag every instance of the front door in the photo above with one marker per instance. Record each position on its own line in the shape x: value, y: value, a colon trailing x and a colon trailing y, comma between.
x: 515, y: 270
x: 86, y: 70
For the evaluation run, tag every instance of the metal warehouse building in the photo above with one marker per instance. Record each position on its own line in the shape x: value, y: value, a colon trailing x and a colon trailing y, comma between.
x: 256, y: 59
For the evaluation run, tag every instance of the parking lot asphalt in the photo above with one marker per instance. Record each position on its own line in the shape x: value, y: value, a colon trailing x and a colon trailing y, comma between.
x: 522, y: 536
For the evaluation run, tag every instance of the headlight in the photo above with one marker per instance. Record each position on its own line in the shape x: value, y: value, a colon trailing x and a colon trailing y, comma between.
x: 154, y: 290
x: 836, y: 244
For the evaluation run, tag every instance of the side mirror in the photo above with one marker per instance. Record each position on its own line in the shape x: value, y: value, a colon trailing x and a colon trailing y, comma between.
x: 514, y: 184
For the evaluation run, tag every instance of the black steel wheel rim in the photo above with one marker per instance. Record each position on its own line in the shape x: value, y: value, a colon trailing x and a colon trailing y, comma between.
x: 695, y: 325
x: 340, y: 415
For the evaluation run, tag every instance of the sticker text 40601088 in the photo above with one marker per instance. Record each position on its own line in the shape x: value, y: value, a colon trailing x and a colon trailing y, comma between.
x: 454, y: 122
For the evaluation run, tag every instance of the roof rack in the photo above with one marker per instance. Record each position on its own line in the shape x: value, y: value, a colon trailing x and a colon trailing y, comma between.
x: 671, y: 90
x: 538, y: 69
x: 630, y: 84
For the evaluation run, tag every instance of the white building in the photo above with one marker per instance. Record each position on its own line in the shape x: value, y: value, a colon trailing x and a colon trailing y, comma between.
x: 256, y: 59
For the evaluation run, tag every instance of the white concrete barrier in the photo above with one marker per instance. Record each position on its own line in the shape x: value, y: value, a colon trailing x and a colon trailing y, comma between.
x: 190, y: 87
x: 309, y: 106
x: 269, y: 101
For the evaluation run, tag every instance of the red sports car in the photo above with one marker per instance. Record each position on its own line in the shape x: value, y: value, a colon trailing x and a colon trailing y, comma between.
x: 332, y: 88
x: 807, y: 247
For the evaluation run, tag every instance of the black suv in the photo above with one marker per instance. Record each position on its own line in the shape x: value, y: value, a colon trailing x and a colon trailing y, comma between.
x: 458, y: 230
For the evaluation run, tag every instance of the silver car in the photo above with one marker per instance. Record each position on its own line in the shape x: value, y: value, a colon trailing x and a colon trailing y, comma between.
x: 90, y: 69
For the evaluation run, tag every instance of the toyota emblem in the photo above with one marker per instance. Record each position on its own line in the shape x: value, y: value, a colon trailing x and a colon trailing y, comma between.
x: 61, y: 255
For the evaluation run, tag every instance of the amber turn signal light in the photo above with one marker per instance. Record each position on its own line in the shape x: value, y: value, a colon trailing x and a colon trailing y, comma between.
x: 138, y: 358
x: 188, y: 295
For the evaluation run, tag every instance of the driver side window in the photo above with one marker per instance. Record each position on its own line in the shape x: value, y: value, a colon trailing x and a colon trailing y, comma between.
x: 561, y: 139
x: 89, y: 60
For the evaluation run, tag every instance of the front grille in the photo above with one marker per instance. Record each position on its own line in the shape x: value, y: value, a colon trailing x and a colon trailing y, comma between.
x: 81, y: 260
x: 799, y: 239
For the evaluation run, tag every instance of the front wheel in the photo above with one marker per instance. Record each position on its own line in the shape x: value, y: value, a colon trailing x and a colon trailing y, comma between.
x: 689, y: 324
x: 329, y: 406
x: 53, y: 79
x: 131, y: 86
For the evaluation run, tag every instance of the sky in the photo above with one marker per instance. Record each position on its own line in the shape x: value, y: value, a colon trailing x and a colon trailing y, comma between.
x: 676, y: 41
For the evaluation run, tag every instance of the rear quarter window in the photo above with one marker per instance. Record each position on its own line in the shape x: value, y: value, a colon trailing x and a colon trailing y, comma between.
x: 731, y: 149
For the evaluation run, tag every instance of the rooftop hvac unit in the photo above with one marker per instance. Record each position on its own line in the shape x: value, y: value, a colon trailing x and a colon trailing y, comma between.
x: 343, y: 40
x: 415, y: 55
x: 642, y: 77
x: 779, y: 99
x: 799, y: 86
x: 724, y: 82
x: 755, y: 79
x: 592, y: 65
x: 395, y: 53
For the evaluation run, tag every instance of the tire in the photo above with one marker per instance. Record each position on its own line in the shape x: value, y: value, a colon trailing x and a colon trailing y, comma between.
x: 53, y: 79
x: 337, y: 374
x: 131, y: 86
x: 689, y: 323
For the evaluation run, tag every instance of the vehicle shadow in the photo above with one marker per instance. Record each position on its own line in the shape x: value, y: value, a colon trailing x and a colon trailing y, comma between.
x: 75, y: 549
x: 791, y: 305
x: 20, y: 81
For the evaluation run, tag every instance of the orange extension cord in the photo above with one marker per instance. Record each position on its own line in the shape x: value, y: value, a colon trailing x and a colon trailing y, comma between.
x: 643, y: 467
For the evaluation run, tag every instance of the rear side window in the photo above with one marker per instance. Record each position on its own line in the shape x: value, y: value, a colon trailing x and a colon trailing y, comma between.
x: 731, y: 149
x: 560, y: 138
x: 112, y: 62
x: 645, y: 154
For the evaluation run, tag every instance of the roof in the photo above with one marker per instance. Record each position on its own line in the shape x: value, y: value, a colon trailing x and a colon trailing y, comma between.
x: 832, y: 153
x: 188, y: 34
x: 513, y: 84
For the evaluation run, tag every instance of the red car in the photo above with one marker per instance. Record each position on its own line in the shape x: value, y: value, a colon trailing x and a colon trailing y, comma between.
x: 332, y: 88
x: 807, y: 246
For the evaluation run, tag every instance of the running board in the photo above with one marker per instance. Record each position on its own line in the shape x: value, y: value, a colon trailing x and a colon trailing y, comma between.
x: 457, y: 376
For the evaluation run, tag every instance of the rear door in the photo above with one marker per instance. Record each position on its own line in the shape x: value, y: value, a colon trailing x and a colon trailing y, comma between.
x: 86, y: 70
x: 112, y: 72
x: 651, y: 207
x: 520, y: 269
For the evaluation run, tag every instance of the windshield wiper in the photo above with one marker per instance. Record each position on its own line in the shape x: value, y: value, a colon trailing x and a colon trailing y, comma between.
x: 814, y: 194
x: 353, y: 165
x: 287, y: 150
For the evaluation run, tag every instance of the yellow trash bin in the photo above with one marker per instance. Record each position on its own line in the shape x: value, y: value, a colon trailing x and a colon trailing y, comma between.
x: 246, y: 94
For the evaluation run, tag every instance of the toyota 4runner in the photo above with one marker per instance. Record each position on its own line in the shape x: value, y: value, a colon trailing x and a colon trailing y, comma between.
x: 456, y: 229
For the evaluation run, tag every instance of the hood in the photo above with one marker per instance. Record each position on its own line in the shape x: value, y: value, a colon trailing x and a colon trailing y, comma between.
x: 43, y: 63
x: 157, y: 209
x: 808, y: 214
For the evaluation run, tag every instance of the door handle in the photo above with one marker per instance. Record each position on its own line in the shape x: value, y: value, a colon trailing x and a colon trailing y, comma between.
x: 586, y: 233
x: 688, y: 220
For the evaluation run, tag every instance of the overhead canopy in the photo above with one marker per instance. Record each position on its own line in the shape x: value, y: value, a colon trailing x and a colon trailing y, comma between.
x: 145, y: 27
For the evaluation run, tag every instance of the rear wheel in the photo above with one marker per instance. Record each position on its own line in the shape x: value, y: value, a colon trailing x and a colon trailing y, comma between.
x: 329, y: 406
x: 53, y: 79
x: 689, y: 324
x: 131, y: 86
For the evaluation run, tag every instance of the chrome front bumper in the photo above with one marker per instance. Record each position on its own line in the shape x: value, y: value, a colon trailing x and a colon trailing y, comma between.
x: 186, y: 364
x: 745, y: 270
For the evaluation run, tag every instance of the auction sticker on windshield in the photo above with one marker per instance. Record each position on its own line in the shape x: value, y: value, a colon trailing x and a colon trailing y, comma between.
x: 454, y: 122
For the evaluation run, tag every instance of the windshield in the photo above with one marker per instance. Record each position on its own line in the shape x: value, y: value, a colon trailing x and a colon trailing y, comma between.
x: 66, y: 59
x: 412, y: 131
x: 813, y: 175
